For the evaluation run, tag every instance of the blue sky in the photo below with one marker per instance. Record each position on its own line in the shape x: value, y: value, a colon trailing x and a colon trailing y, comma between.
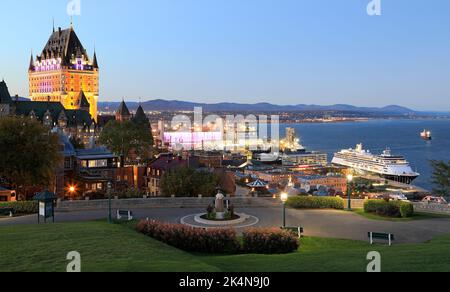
x: 279, y: 51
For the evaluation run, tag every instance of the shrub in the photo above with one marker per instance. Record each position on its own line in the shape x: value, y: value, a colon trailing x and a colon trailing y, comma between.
x: 22, y: 207
x: 191, y: 239
x: 394, y: 209
x: 406, y: 209
x: 316, y: 203
x: 269, y: 241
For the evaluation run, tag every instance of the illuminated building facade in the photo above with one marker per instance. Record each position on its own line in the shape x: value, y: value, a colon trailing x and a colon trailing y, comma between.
x: 65, y: 73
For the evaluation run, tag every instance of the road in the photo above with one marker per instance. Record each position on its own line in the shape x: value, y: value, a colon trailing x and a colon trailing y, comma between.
x: 317, y: 223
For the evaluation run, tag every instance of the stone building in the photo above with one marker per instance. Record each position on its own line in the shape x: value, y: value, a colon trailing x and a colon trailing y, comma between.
x: 64, y: 73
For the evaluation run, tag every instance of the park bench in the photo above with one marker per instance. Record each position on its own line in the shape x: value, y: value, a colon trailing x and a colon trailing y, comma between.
x: 124, y: 214
x: 381, y: 236
x: 298, y: 231
x: 6, y: 212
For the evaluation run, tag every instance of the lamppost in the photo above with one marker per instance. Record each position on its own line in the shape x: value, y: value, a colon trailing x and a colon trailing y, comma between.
x: 109, y: 187
x: 284, y: 198
x: 349, y: 191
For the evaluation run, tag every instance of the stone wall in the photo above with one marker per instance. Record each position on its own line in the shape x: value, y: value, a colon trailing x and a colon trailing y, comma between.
x: 432, y: 208
x: 162, y: 203
x: 356, y: 203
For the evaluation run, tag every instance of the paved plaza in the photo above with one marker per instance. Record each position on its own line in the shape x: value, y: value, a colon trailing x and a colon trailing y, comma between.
x: 317, y: 223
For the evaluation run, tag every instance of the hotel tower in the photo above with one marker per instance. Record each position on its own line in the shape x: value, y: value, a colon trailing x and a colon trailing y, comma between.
x: 65, y: 73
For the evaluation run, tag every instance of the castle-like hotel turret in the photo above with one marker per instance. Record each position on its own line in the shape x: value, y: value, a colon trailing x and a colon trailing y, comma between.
x: 65, y: 73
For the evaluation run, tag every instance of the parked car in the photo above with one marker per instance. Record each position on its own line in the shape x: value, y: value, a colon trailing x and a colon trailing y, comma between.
x: 436, y: 200
x: 398, y: 197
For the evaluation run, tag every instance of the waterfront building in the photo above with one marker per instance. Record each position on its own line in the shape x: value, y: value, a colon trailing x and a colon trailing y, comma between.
x: 305, y: 158
x: 270, y: 175
x: 64, y: 73
x: 209, y: 159
x: 335, y: 182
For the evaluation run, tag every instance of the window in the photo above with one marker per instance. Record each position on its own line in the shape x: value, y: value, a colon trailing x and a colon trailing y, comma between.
x: 98, y: 163
x: 67, y: 163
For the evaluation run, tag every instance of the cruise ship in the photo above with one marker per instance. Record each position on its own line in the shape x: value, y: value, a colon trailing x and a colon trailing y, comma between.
x: 392, y: 167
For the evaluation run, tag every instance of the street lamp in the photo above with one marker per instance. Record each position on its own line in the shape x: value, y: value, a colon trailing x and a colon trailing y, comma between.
x: 284, y: 197
x: 349, y: 191
x: 109, y: 187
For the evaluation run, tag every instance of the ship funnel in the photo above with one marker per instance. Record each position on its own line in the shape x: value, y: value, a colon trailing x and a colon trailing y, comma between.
x: 359, y: 148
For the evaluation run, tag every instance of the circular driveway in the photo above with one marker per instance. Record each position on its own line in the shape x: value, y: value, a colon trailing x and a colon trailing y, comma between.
x: 317, y: 223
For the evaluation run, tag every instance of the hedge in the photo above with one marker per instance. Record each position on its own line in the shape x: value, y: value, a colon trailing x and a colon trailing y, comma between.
x: 220, y: 241
x: 21, y: 207
x: 396, y: 209
x: 191, y: 239
x: 269, y: 241
x: 302, y: 202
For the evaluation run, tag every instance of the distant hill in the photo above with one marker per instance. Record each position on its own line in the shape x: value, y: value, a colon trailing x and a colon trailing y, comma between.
x: 175, y: 105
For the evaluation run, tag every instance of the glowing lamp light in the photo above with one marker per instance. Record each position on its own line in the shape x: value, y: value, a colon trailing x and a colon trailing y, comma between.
x: 349, y: 178
x: 72, y: 189
x: 284, y: 197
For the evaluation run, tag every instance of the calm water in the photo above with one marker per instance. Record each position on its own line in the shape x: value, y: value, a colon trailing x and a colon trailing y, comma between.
x: 401, y: 136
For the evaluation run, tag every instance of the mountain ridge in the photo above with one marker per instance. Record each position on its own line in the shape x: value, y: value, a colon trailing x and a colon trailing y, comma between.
x: 177, y: 105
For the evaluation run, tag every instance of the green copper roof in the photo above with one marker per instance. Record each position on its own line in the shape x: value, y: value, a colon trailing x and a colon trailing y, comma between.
x: 141, y: 117
x: 123, y: 110
x: 5, y: 97
x: 56, y: 110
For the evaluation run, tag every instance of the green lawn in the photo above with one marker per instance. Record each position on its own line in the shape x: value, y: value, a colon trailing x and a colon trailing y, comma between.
x: 103, y: 247
x: 106, y: 247
x: 416, y: 216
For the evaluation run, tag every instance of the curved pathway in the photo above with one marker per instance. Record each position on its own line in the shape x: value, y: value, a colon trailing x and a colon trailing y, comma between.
x: 318, y: 223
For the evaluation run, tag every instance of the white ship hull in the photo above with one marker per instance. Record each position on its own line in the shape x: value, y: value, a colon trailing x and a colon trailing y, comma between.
x: 390, y: 167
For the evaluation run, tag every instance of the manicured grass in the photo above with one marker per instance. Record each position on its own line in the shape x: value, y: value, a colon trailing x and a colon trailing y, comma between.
x: 416, y: 216
x: 106, y: 247
x: 333, y: 255
x: 103, y: 247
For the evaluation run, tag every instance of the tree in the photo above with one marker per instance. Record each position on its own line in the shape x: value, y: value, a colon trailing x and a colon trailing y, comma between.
x: 441, y: 177
x: 128, y: 140
x: 204, y: 183
x: 177, y: 182
x: 76, y: 142
x: 29, y: 153
x: 187, y: 182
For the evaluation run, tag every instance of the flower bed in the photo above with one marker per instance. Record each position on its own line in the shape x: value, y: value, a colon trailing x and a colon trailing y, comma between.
x: 217, y: 241
x: 191, y: 239
x: 269, y: 241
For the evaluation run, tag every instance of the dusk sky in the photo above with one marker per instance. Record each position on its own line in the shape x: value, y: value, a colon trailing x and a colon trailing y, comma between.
x: 279, y: 51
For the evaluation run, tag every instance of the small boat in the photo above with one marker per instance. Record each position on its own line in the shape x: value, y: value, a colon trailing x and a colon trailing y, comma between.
x: 426, y: 135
